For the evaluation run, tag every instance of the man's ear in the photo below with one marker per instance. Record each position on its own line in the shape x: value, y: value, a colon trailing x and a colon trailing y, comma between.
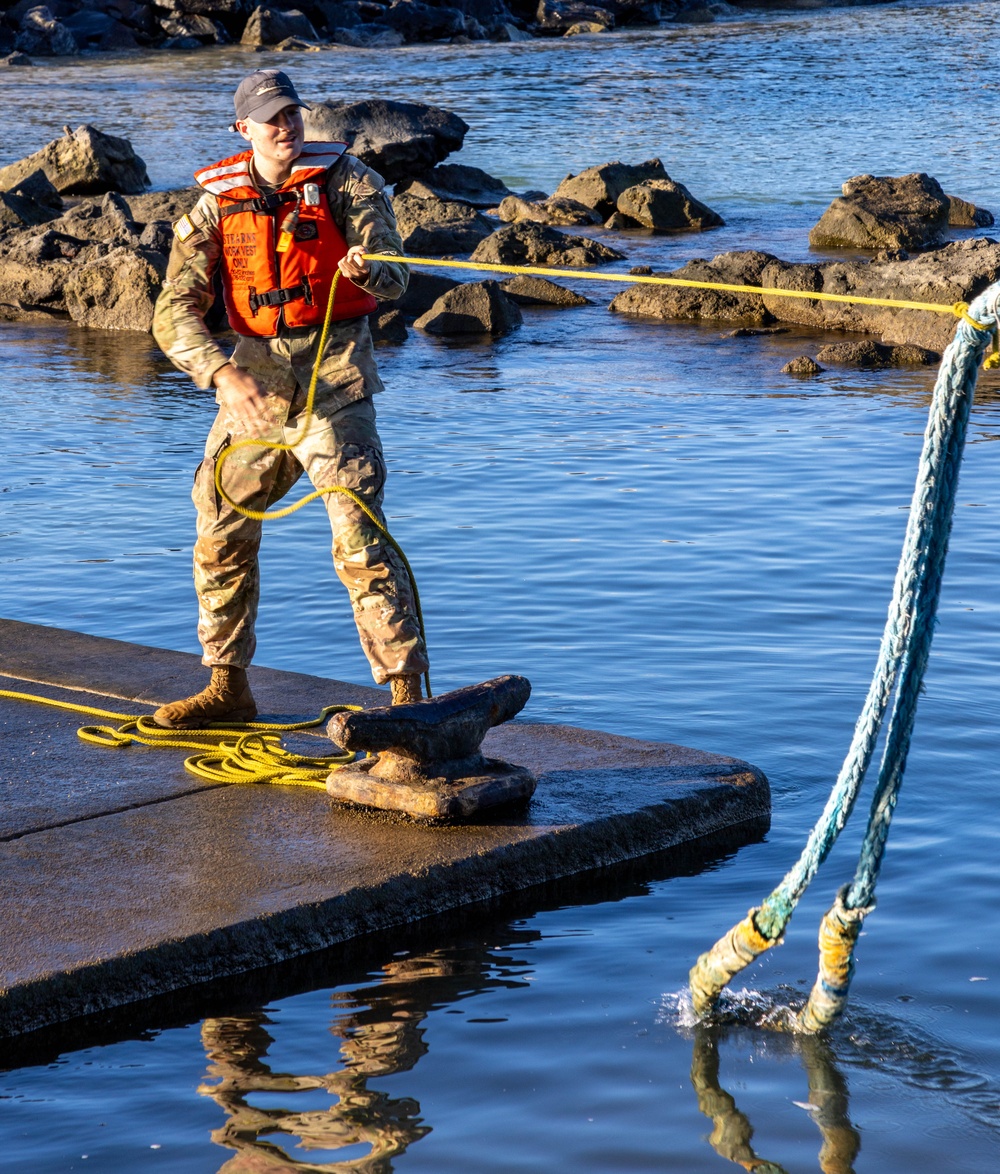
x: 241, y: 126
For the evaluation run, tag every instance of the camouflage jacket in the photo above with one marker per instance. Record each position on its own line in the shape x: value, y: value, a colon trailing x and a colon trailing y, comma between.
x: 348, y: 372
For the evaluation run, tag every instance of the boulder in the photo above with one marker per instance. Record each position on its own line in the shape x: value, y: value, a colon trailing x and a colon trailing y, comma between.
x: 503, y: 32
x: 962, y: 214
x: 116, y: 291
x: 538, y: 244
x: 638, y: 12
x: 34, y: 248
x: 539, y: 291
x: 191, y: 25
x: 388, y: 325
x: 552, y: 210
x: 32, y: 201
x: 456, y: 181
x: 169, y: 205
x: 15, y: 59
x: 88, y: 26
x: 397, y: 139
x: 118, y: 39
x: 268, y: 26
x: 870, y: 355
x: 27, y: 283
x: 558, y: 16
x: 369, y: 36
x: 584, y: 28
x: 884, y: 212
x: 83, y: 162
x: 423, y: 291
x: 953, y: 273
x: 434, y: 227
x: 667, y: 301
x: 475, y: 307
x: 43, y: 36
x: 421, y: 22
x: 297, y: 45
x: 665, y: 206
x: 600, y: 187
x: 802, y: 366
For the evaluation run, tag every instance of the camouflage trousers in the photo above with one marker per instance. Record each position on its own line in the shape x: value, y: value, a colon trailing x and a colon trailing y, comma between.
x: 343, y: 449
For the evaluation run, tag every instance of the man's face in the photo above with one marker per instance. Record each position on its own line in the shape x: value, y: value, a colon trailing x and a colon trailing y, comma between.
x: 280, y: 139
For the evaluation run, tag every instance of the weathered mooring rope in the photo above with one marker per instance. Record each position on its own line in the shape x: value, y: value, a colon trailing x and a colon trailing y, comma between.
x: 902, y: 659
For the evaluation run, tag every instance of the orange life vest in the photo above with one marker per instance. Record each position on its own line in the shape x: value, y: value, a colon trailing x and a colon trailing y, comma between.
x: 263, y: 286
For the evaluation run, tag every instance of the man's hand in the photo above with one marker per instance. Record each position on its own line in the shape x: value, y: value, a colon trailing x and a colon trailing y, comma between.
x: 243, y: 399
x: 353, y: 266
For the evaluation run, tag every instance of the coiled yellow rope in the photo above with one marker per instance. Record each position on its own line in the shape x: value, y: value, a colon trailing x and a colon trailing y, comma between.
x: 233, y: 752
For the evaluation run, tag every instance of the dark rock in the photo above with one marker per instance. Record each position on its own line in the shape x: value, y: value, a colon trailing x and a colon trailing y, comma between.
x: 475, y: 307
x: 32, y: 201
x: 539, y: 291
x: 423, y: 291
x: 398, y: 139
x: 638, y: 12
x: 88, y: 25
x: 296, y: 45
x: 953, y: 273
x: 435, y: 227
x: 421, y: 22
x: 157, y: 236
x: 696, y: 14
x: 600, y: 187
x: 171, y: 205
x: 118, y: 39
x: 755, y: 331
x: 193, y: 25
x: 182, y: 44
x: 456, y: 181
x: 15, y: 59
x: 504, y: 32
x: 336, y: 14
x: 665, y: 301
x: 641, y: 271
x: 962, y: 214
x: 81, y: 163
x: 268, y: 26
x: 388, y: 325
x: 553, y: 210
x: 870, y: 355
x: 42, y: 35
x: 879, y: 212
x: 557, y: 16
x: 666, y: 206
x: 116, y: 291
x: 538, y: 244
x: 369, y: 36
x: 803, y: 365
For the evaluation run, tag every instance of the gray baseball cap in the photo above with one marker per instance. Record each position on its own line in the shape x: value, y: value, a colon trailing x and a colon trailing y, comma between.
x: 261, y: 95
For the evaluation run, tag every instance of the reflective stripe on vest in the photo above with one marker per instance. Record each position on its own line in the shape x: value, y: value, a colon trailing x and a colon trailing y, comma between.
x: 262, y: 287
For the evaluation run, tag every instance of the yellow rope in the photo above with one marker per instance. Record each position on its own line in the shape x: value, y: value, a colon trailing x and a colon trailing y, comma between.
x: 233, y: 752
x: 958, y: 309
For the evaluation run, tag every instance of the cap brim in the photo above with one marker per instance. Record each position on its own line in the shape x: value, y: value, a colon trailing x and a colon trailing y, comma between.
x: 269, y: 109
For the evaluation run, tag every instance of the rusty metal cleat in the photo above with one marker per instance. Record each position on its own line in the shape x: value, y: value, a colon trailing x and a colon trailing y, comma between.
x: 429, y: 763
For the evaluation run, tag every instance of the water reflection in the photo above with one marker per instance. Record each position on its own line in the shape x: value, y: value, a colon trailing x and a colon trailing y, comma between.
x: 379, y: 1029
x: 827, y: 1100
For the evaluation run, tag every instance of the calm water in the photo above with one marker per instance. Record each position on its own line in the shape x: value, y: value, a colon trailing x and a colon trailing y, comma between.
x: 670, y: 538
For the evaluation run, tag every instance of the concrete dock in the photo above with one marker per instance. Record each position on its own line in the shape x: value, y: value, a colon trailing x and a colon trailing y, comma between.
x: 123, y: 877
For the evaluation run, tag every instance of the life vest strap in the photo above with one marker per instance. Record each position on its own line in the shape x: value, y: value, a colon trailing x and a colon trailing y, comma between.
x: 278, y: 297
x: 259, y: 203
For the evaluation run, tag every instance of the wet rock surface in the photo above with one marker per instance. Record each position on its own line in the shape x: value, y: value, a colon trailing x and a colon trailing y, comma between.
x: 599, y: 187
x: 82, y: 162
x: 884, y: 212
x: 397, y: 139
x: 557, y: 210
x: 431, y: 227
x: 539, y: 291
x: 455, y: 181
x: 870, y: 355
x: 803, y: 366
x: 474, y: 307
x: 663, y: 206
x: 737, y: 268
x: 527, y: 243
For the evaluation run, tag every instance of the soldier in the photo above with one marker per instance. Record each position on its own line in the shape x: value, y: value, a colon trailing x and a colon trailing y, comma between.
x: 275, y: 221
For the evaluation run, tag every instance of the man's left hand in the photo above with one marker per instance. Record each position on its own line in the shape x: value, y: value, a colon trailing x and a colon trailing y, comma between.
x: 353, y: 266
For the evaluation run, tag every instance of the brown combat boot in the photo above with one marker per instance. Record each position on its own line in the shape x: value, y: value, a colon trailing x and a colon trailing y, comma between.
x: 226, y: 699
x: 405, y: 688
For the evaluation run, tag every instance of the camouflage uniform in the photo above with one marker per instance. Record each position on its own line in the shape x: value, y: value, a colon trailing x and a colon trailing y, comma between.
x: 338, y: 445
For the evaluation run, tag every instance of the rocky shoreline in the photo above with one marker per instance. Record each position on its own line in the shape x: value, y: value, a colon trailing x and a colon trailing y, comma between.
x: 82, y: 240
x: 63, y: 28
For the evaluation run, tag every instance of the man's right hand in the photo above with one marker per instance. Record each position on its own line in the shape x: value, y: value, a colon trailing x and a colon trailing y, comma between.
x: 243, y: 398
